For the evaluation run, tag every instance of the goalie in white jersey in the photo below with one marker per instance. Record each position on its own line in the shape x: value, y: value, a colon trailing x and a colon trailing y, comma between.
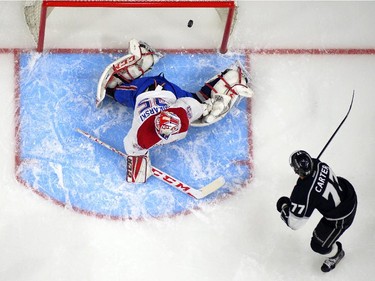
x: 163, y: 111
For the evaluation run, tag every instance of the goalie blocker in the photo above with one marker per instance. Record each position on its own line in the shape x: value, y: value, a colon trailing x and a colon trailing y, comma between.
x: 138, y: 168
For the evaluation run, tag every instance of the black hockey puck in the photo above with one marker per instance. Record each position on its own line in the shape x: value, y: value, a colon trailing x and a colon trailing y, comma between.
x: 190, y: 23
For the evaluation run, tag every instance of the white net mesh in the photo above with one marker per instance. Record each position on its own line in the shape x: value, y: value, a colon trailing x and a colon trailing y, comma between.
x: 32, y: 17
x: 223, y: 14
x: 32, y: 11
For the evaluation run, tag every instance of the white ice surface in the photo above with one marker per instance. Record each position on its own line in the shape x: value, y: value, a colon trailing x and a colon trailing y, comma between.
x: 299, y: 102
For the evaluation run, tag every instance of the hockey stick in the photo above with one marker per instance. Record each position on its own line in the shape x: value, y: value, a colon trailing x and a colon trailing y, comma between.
x: 168, y: 179
x: 342, y: 122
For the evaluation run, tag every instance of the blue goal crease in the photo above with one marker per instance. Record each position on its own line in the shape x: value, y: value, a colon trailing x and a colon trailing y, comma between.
x: 57, y: 95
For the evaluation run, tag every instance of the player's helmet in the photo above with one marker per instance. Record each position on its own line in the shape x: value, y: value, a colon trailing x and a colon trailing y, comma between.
x: 302, y: 163
x: 167, y: 123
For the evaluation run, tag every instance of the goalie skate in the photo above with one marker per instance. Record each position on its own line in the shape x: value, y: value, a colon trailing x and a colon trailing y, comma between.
x: 227, y: 89
x: 141, y: 58
x: 330, y: 263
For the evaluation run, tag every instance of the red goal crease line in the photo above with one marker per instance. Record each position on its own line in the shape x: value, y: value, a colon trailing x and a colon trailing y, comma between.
x: 330, y: 51
x: 281, y: 51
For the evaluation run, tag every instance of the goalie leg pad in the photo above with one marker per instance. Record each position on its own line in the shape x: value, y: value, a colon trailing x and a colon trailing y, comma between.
x: 222, y: 92
x: 232, y: 82
x: 138, y: 168
x: 142, y: 59
x: 127, y: 68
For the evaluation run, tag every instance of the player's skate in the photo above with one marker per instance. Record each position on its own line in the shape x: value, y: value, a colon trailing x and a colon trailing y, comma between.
x: 141, y: 58
x: 221, y: 93
x: 331, y: 263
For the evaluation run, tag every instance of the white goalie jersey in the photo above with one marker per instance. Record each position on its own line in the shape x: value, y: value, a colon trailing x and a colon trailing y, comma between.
x: 143, y: 134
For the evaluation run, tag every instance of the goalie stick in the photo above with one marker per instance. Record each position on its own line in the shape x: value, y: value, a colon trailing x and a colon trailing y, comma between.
x: 168, y: 179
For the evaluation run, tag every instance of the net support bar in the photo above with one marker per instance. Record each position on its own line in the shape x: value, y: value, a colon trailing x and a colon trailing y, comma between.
x: 230, y: 5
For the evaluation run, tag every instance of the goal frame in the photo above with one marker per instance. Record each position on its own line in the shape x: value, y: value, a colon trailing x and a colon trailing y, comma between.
x: 229, y: 4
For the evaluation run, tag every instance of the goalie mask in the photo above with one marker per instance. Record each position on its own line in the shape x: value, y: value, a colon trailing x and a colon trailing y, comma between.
x: 166, y: 124
x: 301, y: 163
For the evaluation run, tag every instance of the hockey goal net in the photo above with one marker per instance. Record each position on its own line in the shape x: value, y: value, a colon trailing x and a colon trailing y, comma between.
x: 37, y: 11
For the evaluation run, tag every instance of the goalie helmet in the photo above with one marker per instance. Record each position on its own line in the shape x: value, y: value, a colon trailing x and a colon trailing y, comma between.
x: 301, y: 163
x: 166, y: 124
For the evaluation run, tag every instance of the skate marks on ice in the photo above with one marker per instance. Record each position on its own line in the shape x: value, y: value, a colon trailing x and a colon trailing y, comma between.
x: 57, y: 95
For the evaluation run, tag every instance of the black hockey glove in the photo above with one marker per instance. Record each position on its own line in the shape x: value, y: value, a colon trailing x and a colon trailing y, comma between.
x: 280, y: 203
x: 285, y: 214
x: 283, y: 205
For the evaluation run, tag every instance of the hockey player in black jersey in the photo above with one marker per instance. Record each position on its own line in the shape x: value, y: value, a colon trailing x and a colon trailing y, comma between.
x: 334, y: 197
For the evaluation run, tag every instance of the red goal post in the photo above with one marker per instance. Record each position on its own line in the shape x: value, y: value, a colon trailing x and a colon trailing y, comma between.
x: 36, y: 12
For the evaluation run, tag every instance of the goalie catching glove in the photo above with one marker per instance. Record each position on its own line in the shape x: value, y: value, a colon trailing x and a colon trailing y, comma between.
x: 221, y: 92
x: 141, y: 58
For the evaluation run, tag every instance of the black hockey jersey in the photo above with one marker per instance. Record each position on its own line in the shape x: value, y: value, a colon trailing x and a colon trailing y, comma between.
x: 334, y: 197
